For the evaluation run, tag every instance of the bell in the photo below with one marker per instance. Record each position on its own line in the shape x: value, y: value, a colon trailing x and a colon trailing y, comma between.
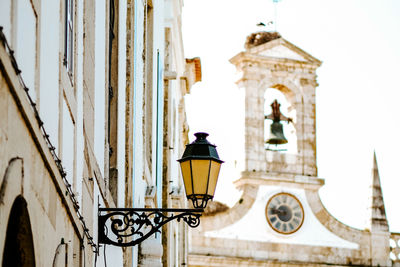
x: 276, y: 136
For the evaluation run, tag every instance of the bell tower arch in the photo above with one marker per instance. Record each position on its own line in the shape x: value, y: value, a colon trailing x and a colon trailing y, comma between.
x: 270, y: 61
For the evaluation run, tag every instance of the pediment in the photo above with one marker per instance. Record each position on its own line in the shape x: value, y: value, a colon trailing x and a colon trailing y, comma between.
x: 282, y: 49
x: 282, y: 52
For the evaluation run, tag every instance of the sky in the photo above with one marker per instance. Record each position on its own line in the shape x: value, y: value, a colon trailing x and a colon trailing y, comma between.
x: 357, y: 100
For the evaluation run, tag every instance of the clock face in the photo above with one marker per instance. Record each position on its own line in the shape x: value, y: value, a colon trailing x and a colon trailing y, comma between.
x: 284, y: 213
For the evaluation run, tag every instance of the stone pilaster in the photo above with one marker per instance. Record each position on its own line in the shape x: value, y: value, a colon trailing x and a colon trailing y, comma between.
x: 254, y: 125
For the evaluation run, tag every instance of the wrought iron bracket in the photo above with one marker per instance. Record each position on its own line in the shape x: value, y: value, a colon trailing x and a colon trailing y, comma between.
x: 124, y: 227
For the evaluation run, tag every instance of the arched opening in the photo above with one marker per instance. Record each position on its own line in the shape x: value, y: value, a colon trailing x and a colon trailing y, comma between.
x: 282, y: 95
x: 18, y: 248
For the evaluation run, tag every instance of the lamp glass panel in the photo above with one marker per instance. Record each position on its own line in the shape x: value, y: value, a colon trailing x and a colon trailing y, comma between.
x: 214, y: 172
x: 187, y: 177
x: 200, y: 169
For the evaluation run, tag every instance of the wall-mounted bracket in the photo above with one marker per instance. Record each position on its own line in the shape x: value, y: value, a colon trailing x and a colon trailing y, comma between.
x: 124, y: 227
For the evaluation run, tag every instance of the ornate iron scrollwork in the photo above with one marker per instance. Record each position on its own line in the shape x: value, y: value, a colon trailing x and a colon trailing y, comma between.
x: 130, y: 226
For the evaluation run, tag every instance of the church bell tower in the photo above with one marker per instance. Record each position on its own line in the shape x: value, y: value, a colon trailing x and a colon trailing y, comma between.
x: 270, y: 62
x: 279, y: 220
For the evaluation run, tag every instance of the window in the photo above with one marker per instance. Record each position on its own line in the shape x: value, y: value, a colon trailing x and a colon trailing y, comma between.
x: 100, y: 87
x: 113, y: 98
x: 69, y: 35
x: 25, y: 29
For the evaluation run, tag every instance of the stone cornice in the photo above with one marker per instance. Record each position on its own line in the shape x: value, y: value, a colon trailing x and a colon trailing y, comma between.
x: 234, y: 252
x: 283, y: 42
x: 284, y: 179
x: 246, y: 59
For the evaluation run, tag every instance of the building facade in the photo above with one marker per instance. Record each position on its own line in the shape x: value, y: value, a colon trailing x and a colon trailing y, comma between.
x: 280, y: 220
x: 92, y: 115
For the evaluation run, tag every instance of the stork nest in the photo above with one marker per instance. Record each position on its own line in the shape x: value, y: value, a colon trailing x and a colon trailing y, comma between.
x: 259, y: 38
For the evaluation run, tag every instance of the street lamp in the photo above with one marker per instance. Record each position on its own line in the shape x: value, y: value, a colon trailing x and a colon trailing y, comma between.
x: 200, y: 166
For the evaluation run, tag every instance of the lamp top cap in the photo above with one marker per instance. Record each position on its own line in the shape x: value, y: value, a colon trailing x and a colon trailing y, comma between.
x: 200, y: 149
x: 201, y: 137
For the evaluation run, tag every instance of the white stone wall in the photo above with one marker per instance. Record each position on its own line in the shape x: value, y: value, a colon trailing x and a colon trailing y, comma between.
x: 65, y: 106
x: 311, y: 233
x: 29, y: 171
x: 74, y: 106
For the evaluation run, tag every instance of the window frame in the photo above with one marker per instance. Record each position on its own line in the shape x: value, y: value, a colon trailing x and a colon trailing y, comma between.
x: 69, y: 37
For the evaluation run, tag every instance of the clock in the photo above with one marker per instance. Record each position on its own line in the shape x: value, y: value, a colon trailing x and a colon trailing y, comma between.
x: 284, y: 213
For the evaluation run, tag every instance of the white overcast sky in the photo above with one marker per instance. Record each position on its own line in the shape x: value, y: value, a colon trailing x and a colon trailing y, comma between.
x: 357, y: 99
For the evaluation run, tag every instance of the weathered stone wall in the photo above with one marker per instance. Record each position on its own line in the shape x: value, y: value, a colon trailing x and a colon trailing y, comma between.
x: 200, y: 260
x: 59, y: 208
x: 73, y: 97
x: 28, y: 170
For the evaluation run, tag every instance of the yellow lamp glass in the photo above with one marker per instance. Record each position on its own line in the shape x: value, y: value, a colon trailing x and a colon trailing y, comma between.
x: 200, y: 167
x: 214, y: 172
x: 200, y: 178
x: 187, y: 177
